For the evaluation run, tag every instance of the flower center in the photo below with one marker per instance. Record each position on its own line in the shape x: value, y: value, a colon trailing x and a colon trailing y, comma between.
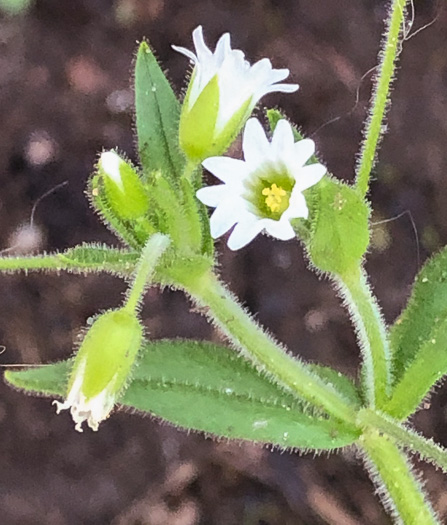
x: 275, y: 197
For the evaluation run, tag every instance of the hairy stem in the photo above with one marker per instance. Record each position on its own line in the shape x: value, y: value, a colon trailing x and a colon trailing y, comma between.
x: 413, y: 442
x: 391, y: 471
x: 15, y: 264
x: 150, y: 255
x: 371, y: 333
x: 383, y: 80
x: 289, y: 372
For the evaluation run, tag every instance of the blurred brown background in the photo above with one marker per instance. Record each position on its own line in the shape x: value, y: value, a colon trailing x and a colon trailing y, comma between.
x: 64, y: 95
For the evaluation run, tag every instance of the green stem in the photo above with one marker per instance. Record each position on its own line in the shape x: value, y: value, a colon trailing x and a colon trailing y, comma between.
x: 289, y: 372
x: 150, y: 255
x: 413, y: 442
x: 31, y: 263
x: 371, y: 333
x: 189, y: 170
x: 381, y: 91
x: 390, y: 469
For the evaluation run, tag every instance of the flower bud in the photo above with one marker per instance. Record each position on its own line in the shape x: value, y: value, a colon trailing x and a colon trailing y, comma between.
x: 222, y: 93
x: 125, y: 192
x: 102, y: 367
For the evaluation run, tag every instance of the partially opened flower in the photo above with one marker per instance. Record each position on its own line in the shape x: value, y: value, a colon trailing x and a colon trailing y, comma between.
x: 222, y: 93
x: 125, y: 192
x: 264, y: 191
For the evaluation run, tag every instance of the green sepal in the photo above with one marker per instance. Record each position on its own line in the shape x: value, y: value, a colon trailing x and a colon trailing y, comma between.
x: 172, y: 218
x: 207, y: 387
x: 197, y: 220
x: 274, y: 116
x: 157, y: 117
x: 199, y: 138
x: 197, y: 123
x: 107, y: 353
x: 125, y: 192
x: 339, y: 219
x: 98, y: 200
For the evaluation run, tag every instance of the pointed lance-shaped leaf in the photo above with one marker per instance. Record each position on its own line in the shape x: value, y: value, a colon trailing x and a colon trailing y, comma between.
x: 207, y: 387
x: 157, y: 117
x: 419, y: 339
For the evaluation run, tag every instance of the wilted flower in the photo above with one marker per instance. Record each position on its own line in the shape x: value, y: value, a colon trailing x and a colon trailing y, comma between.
x: 222, y: 93
x: 265, y: 191
x: 102, y: 366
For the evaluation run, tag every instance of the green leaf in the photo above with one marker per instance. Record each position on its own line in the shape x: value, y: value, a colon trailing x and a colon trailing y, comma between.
x: 339, y: 226
x: 340, y: 382
x: 207, y: 387
x: 419, y: 339
x: 157, y: 117
x: 101, y: 257
x: 426, y: 308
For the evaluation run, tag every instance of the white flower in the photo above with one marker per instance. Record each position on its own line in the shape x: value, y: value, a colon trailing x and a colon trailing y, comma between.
x: 265, y: 191
x: 92, y: 410
x: 231, y: 88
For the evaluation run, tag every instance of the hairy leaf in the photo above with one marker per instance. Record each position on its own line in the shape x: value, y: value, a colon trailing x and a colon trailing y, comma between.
x: 419, y: 339
x: 207, y: 387
x: 100, y: 256
x: 426, y: 308
x: 157, y: 117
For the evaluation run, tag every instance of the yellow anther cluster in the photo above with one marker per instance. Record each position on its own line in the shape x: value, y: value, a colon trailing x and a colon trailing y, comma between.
x: 274, y: 196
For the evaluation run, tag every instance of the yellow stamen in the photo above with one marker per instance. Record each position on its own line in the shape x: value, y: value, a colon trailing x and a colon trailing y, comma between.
x: 274, y: 196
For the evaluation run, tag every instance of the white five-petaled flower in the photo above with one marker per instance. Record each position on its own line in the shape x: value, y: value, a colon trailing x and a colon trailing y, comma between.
x: 264, y: 191
x: 222, y: 93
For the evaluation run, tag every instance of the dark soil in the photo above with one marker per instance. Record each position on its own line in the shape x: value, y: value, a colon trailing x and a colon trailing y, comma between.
x: 64, y: 95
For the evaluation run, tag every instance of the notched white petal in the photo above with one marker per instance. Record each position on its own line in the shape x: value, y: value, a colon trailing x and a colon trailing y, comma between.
x: 282, y: 229
x: 304, y: 149
x: 223, y: 218
x: 310, y: 175
x: 226, y: 169
x: 244, y: 233
x: 254, y: 143
x: 282, y: 140
x: 212, y: 195
x: 297, y: 206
